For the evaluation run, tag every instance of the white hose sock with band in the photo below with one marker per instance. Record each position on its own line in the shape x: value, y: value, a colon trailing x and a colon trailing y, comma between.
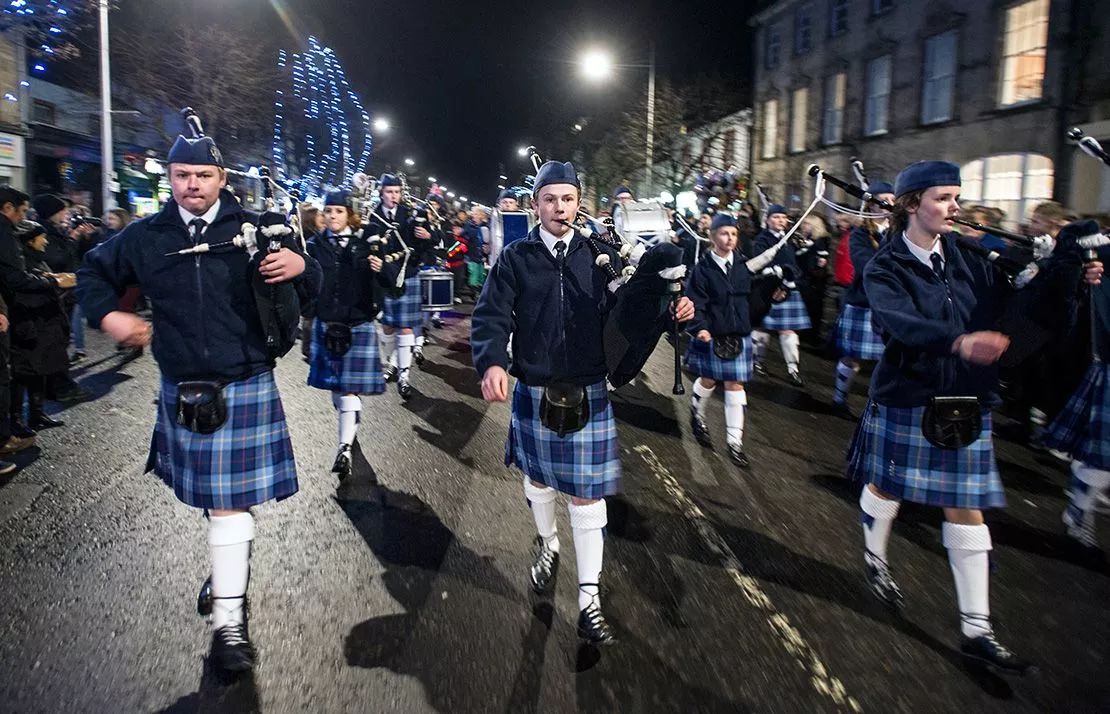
x: 405, y: 343
x: 349, y: 407
x: 1086, y: 484
x: 389, y: 347
x: 587, y: 524
x: 845, y: 375
x: 760, y: 341
x: 229, y: 546
x: 788, y: 342
x: 542, y: 500
x: 969, y: 550
x: 702, y: 395
x: 877, y: 516
x: 735, y: 401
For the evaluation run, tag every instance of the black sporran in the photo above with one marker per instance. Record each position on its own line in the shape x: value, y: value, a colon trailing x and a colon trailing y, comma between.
x: 564, y: 408
x: 337, y: 338
x: 201, y: 407
x: 728, y: 346
x: 952, y: 422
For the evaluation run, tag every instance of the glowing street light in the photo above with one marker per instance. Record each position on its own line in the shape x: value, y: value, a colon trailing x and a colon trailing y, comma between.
x: 522, y: 151
x: 596, y: 65
x: 432, y: 179
x: 381, y: 124
x: 410, y: 162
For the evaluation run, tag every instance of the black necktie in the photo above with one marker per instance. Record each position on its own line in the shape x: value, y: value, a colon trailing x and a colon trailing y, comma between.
x: 560, y: 251
x: 938, y: 264
x: 389, y: 214
x: 197, y: 225
x: 728, y: 267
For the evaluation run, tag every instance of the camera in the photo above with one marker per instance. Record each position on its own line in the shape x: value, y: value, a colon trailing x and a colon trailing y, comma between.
x: 78, y: 221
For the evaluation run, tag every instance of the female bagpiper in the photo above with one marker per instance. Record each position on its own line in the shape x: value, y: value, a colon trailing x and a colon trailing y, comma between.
x: 786, y: 317
x: 547, y: 292
x: 721, y: 350
x: 343, y: 356
x: 856, y: 339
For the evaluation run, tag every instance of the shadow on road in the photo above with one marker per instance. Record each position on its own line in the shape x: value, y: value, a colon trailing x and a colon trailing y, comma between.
x: 218, y: 694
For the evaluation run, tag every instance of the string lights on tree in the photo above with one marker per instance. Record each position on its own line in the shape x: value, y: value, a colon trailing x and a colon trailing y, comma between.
x: 322, y: 132
x: 44, y: 25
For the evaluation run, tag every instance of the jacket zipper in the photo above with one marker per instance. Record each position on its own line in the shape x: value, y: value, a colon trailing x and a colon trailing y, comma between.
x: 200, y: 299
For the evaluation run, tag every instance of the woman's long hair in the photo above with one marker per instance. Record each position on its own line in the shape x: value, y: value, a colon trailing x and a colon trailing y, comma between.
x: 900, y: 216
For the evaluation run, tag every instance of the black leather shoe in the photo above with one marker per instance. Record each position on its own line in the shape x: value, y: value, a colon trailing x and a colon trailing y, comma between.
x: 204, y: 598
x: 418, y: 357
x: 6, y: 467
x: 736, y: 453
x: 796, y: 379
x: 390, y: 373
x: 231, y: 649
x: 73, y: 395
x: 545, y: 566
x: 22, y: 430
x: 342, y: 465
x: 593, y: 628
x: 986, y: 649
x: 842, y: 410
x: 404, y: 389
x: 882, y: 583
x: 700, y: 429
x: 41, y: 420
x: 759, y: 370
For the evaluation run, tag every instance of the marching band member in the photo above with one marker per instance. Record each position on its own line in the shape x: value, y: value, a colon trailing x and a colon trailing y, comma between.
x: 220, y: 438
x: 856, y: 338
x: 392, y: 221
x: 786, y: 317
x: 721, y: 350
x: 507, y: 201
x: 343, y: 353
x: 926, y: 433
x: 548, y: 293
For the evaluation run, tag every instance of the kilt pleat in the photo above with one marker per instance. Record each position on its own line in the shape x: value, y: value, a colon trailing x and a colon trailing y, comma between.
x: 790, y: 314
x: 405, y: 311
x: 855, y: 335
x: 701, y: 360
x: 1082, y: 429
x: 357, y: 372
x: 248, y: 461
x: 585, y: 464
x: 889, y: 450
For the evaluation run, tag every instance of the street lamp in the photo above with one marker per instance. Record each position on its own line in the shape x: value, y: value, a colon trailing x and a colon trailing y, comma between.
x: 431, y: 179
x: 596, y: 65
x: 381, y: 124
x: 410, y: 162
x: 522, y: 151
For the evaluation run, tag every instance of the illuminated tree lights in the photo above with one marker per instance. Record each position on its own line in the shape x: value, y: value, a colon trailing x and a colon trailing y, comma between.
x: 43, y: 24
x: 318, y: 122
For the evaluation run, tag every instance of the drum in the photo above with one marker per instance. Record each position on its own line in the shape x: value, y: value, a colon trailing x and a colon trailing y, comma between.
x: 437, y: 290
x: 508, y: 226
x: 645, y: 222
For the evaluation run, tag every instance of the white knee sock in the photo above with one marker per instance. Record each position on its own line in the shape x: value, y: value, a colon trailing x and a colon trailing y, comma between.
x: 229, y: 546
x: 349, y: 407
x: 586, y: 524
x: 420, y: 341
x: 701, y: 397
x: 542, y: 501
x: 1086, y: 484
x: 969, y: 555
x: 788, y: 342
x: 389, y: 347
x: 760, y: 341
x: 877, y: 515
x: 845, y: 375
x: 404, y: 355
x: 735, y: 401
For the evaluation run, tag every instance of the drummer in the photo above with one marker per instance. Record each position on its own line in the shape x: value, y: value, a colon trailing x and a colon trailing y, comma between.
x: 506, y: 203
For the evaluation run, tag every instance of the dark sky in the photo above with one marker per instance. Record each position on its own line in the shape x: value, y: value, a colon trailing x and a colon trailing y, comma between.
x: 465, y: 83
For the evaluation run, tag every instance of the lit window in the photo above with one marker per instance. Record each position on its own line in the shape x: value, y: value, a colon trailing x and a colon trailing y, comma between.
x: 940, y: 78
x: 878, y: 96
x: 832, y: 128
x: 770, y: 127
x: 798, y: 119
x: 1023, y: 52
x: 1015, y: 183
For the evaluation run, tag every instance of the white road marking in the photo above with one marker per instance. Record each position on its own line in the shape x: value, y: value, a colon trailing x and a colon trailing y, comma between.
x: 786, y: 634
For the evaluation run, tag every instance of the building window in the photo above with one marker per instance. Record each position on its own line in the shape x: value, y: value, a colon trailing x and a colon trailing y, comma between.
x: 43, y: 112
x: 730, y: 147
x: 798, y: 107
x: 1015, y: 183
x: 1023, y: 52
x: 770, y: 127
x: 803, y: 29
x: 881, y: 6
x: 878, y: 96
x: 939, y: 78
x: 774, y: 45
x: 832, y: 127
x: 838, y: 17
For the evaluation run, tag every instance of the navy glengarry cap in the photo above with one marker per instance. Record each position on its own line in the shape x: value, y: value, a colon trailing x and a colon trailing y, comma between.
x: 775, y: 208
x: 876, y: 187
x: 338, y: 198
x: 722, y: 220
x: 622, y: 189
x: 926, y: 174
x: 554, y: 172
x: 198, y: 152
x: 388, y: 180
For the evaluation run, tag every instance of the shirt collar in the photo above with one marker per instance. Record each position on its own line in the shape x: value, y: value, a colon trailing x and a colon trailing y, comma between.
x: 925, y: 256
x: 721, y: 262
x: 209, y: 215
x: 550, y: 239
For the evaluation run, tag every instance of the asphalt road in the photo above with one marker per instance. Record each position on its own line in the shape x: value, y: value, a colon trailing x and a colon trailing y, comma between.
x: 405, y: 589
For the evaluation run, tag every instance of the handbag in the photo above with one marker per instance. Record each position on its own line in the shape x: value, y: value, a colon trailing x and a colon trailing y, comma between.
x: 201, y: 407
x: 337, y: 338
x: 952, y: 422
x: 729, y: 346
x: 564, y: 408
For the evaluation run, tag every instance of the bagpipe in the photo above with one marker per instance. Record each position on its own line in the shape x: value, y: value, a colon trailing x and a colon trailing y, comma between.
x: 1090, y: 243
x: 279, y: 306
x: 369, y: 210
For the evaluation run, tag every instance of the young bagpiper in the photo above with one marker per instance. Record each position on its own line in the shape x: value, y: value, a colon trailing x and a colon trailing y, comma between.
x: 220, y: 439
x: 786, y: 317
x: 721, y: 350
x: 343, y: 355
x: 547, y: 292
x: 856, y: 339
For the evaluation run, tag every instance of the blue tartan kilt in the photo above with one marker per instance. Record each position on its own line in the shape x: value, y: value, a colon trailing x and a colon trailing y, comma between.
x: 1082, y: 429
x: 855, y: 335
x: 405, y: 311
x: 585, y: 464
x: 890, y: 451
x: 790, y: 314
x: 248, y: 461
x: 357, y: 372
x: 701, y: 360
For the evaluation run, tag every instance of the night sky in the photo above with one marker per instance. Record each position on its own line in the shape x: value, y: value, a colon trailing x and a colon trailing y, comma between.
x: 464, y: 84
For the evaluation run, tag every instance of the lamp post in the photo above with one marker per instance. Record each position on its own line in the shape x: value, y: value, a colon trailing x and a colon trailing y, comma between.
x: 107, y: 158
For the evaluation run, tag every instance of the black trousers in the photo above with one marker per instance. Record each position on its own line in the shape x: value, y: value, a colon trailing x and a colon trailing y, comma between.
x: 5, y: 386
